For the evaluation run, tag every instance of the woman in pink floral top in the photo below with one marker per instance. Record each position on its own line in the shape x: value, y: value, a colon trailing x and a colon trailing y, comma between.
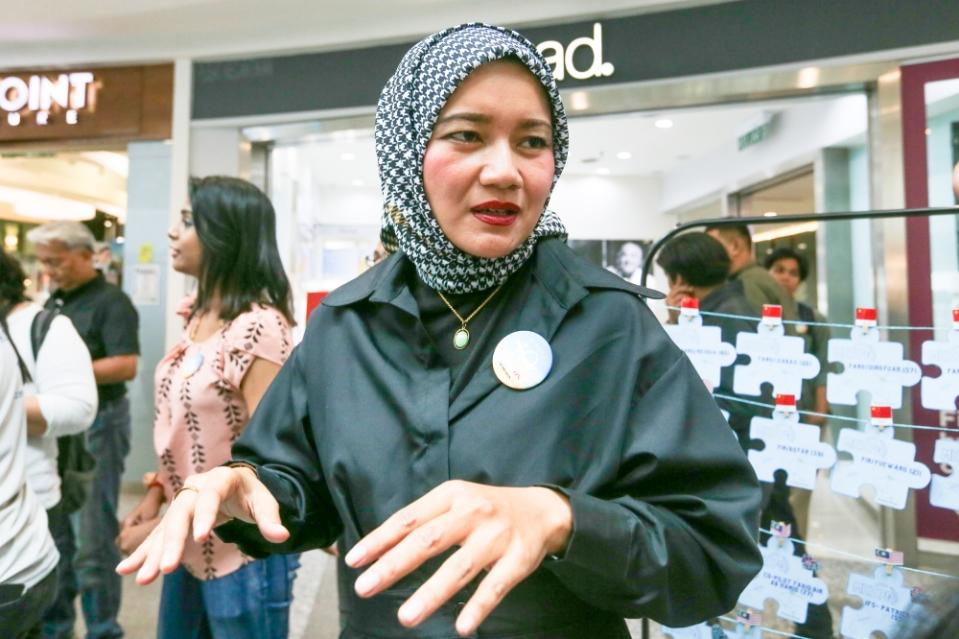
x: 236, y: 337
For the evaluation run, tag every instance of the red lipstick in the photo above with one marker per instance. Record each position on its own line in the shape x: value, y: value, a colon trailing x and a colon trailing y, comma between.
x: 496, y: 212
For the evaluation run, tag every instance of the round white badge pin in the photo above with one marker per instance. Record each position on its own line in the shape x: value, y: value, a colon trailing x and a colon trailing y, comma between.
x: 522, y: 360
x: 192, y: 364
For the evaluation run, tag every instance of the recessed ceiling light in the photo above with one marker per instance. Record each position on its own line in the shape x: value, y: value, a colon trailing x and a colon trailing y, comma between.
x: 624, y: 155
x: 602, y: 171
x: 579, y: 100
x: 770, y: 214
x: 808, y: 77
x: 663, y: 123
x: 347, y: 156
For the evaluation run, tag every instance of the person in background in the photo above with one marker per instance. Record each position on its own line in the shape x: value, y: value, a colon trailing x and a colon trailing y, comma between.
x: 28, y: 556
x: 697, y: 266
x: 60, y: 400
x: 481, y: 500
x: 236, y: 337
x: 758, y: 286
x: 107, y: 321
x: 789, y: 268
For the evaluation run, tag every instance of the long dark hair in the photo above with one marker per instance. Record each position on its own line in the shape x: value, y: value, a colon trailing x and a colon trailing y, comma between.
x: 236, y: 225
x: 12, y: 287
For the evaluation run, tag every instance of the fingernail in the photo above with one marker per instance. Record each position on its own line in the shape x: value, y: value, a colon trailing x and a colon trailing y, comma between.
x: 411, y: 611
x: 465, y: 624
x: 367, y: 582
x: 355, y: 556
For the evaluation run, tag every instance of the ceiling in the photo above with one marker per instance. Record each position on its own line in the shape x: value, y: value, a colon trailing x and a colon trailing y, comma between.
x: 60, y: 32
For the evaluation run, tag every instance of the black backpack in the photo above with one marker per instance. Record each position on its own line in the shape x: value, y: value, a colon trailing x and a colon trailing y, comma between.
x: 75, y: 464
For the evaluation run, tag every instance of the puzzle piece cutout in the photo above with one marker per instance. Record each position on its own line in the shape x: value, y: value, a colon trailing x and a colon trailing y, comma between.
x: 785, y: 579
x: 790, y: 445
x: 939, y: 393
x: 704, y: 347
x: 879, y: 460
x: 700, y: 631
x: 869, y: 365
x: 775, y: 358
x: 944, y: 491
x: 884, y: 604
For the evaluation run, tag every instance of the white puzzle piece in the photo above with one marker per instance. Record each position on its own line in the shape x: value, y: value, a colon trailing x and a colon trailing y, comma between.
x: 701, y: 631
x: 939, y: 393
x: 944, y: 491
x: 869, y: 365
x: 884, y: 604
x: 774, y: 358
x: 704, y: 347
x: 784, y: 579
x: 879, y: 460
x: 792, y: 446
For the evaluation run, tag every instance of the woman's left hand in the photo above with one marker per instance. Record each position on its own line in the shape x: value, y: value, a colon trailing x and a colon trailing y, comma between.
x: 507, y: 531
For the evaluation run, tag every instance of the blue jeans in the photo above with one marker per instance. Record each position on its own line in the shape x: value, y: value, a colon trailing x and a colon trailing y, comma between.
x: 250, y: 603
x: 91, y: 570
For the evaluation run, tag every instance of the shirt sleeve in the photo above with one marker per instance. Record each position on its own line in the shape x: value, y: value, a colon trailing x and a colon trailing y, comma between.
x: 120, y: 327
x: 66, y: 388
x: 278, y: 443
x: 673, y: 536
x: 260, y: 333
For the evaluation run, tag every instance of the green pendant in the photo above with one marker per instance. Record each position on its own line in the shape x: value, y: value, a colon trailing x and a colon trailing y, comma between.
x: 461, y: 339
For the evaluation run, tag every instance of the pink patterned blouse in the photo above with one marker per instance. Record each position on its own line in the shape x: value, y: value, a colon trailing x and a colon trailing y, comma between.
x: 200, y: 411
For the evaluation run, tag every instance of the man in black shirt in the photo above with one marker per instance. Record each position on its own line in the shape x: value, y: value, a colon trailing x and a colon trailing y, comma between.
x: 107, y: 321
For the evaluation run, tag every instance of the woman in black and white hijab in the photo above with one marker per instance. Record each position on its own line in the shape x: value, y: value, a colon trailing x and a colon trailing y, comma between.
x: 500, y: 433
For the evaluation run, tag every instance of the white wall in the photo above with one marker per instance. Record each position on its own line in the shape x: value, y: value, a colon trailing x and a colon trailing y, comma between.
x: 610, y: 208
x: 797, y: 135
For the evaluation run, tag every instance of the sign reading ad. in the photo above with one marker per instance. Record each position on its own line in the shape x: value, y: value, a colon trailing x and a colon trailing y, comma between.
x: 38, y: 98
x: 564, y: 59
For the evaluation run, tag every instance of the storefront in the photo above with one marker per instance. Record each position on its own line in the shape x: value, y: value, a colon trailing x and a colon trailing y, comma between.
x: 91, y: 144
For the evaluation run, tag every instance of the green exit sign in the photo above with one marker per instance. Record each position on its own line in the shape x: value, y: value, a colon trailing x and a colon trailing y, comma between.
x: 754, y: 136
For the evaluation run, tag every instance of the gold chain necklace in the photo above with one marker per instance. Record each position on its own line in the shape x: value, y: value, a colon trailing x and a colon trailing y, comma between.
x: 461, y: 338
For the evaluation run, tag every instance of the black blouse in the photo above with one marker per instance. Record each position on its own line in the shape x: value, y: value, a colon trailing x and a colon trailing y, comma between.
x: 367, y: 416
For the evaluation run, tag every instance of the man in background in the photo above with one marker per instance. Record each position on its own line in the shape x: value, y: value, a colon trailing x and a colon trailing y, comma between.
x: 697, y: 266
x: 758, y: 286
x: 108, y: 324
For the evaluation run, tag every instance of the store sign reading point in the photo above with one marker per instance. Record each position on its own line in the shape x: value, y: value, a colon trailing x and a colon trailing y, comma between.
x: 35, y: 98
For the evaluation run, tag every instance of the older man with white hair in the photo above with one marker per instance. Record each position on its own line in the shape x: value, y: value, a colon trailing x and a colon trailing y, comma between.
x: 108, y: 324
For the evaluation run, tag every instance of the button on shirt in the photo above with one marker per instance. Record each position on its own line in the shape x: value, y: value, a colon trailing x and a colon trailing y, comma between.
x: 107, y: 322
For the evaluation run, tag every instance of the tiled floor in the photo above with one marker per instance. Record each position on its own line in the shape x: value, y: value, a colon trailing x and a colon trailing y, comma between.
x: 843, y: 525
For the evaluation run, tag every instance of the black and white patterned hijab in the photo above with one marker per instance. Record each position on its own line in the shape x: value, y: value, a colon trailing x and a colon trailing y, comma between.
x: 408, y: 107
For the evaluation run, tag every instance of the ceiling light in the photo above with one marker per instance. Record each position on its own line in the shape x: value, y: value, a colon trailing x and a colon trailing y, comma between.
x: 347, y: 157
x: 602, y: 171
x: 770, y: 214
x: 120, y: 240
x: 624, y: 155
x: 808, y: 77
x: 663, y: 123
x: 579, y: 101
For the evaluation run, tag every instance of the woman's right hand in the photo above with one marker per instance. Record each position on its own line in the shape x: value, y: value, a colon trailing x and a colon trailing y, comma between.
x: 205, y: 501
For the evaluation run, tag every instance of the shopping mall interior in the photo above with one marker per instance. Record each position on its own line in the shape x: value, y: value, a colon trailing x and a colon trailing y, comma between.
x: 681, y: 111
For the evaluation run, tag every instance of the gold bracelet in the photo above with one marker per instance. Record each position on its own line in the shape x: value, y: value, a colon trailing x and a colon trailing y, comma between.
x: 180, y: 490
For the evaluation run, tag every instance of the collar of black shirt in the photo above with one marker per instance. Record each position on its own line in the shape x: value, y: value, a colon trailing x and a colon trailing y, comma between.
x: 92, y: 284
x: 566, y: 275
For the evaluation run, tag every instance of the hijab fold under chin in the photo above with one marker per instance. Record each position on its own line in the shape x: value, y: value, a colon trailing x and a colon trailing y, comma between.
x: 410, y: 103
